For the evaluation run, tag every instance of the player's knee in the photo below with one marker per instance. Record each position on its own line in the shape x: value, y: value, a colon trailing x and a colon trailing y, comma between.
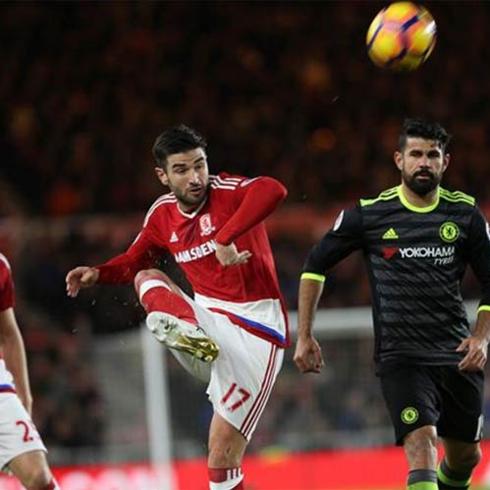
x: 421, y: 441
x: 477, y: 456
x: 424, y: 435
x: 473, y: 458
x: 465, y: 460
x: 148, y: 274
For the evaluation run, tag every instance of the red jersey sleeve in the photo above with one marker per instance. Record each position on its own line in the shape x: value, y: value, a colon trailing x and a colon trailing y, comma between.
x: 142, y: 254
x: 7, y: 298
x: 257, y: 199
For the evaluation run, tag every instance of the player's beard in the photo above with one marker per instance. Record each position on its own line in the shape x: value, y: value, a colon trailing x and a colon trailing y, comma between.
x: 421, y: 187
x: 188, y: 199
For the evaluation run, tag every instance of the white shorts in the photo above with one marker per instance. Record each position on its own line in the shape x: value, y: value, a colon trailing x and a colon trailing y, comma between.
x: 18, y: 434
x: 243, y: 375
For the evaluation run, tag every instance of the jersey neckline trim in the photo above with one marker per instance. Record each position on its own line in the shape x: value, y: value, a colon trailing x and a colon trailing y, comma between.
x: 195, y: 212
x: 417, y: 209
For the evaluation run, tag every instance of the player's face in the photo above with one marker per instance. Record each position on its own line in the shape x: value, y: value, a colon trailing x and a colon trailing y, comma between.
x: 422, y: 164
x: 187, y: 177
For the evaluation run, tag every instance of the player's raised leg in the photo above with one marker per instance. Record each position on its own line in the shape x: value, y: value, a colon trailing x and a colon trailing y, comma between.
x: 171, y: 318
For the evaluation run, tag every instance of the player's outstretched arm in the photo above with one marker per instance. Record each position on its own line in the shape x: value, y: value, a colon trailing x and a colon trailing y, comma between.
x: 79, y: 278
x: 308, y: 354
x: 14, y: 355
x: 122, y: 269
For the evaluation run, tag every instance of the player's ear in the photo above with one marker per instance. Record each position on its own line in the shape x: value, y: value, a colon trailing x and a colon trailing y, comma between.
x: 447, y: 159
x: 161, y: 175
x: 397, y: 157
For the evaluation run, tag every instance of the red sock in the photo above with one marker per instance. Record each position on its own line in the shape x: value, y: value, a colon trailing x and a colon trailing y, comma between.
x: 160, y: 298
x: 225, y: 478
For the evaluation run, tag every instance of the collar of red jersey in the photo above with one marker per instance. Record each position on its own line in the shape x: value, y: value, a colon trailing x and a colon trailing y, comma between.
x: 195, y: 212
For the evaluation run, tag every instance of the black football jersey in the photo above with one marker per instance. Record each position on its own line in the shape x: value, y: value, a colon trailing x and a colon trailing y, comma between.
x: 416, y: 259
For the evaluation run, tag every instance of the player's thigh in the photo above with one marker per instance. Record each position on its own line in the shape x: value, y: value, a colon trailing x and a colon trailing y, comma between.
x: 462, y: 405
x: 28, y: 464
x: 411, y: 397
x: 18, y: 435
x: 243, y: 376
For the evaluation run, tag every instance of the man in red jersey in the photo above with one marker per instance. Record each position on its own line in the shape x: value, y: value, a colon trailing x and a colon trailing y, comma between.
x: 22, y: 451
x: 236, y: 323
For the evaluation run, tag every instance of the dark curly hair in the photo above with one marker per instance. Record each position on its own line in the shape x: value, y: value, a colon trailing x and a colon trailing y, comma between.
x: 177, y: 139
x: 420, y: 128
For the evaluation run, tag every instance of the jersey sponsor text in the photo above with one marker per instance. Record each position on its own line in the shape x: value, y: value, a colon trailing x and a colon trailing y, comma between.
x: 426, y: 252
x: 196, y: 253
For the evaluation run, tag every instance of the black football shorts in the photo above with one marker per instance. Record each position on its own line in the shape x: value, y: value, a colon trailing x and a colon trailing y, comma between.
x: 442, y: 396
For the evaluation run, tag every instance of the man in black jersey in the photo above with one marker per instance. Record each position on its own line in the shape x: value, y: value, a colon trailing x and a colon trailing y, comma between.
x: 417, y: 239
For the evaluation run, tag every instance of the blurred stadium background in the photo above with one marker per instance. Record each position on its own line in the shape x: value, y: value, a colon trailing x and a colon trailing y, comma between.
x: 278, y: 88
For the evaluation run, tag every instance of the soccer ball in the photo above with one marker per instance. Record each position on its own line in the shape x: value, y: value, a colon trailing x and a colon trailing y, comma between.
x: 401, y: 36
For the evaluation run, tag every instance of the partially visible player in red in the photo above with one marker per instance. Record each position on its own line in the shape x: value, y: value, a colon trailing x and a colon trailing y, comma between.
x: 233, y: 331
x: 22, y: 451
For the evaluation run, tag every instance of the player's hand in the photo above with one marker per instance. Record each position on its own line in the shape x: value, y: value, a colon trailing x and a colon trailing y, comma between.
x: 308, y: 355
x: 80, y: 277
x: 229, y: 255
x: 476, y: 354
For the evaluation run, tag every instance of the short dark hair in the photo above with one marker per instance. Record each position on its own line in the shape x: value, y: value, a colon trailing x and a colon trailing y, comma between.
x: 420, y: 128
x: 177, y: 139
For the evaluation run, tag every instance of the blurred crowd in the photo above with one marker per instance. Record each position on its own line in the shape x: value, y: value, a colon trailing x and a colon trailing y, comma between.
x: 278, y: 88
x: 283, y: 88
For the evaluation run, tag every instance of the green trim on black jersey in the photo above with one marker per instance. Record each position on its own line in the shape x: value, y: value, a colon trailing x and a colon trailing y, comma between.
x: 412, y: 207
x: 313, y: 276
x: 456, y: 196
x: 450, y: 196
x: 483, y: 308
x: 386, y: 195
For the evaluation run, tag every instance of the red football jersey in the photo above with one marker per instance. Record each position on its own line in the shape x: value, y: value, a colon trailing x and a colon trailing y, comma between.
x: 233, y: 211
x: 6, y: 285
